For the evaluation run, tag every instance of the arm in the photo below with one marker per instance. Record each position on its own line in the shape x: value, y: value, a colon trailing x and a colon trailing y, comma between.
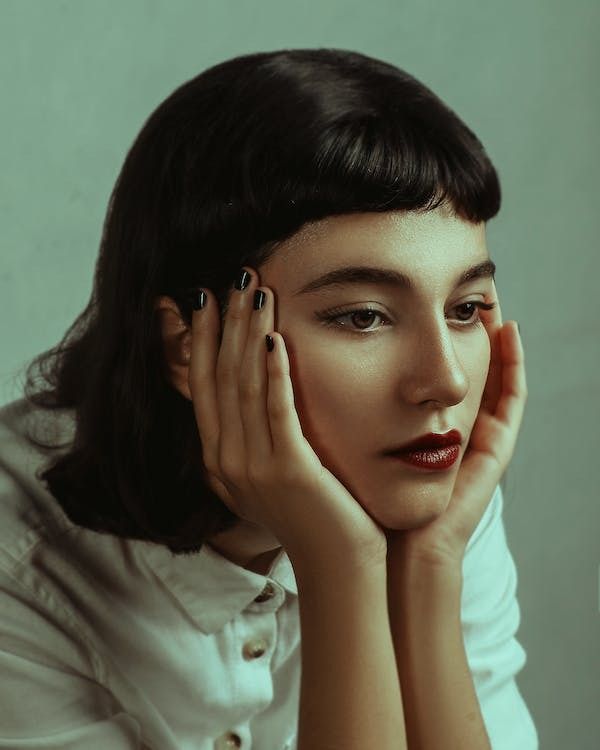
x: 349, y: 694
x: 439, y: 696
x: 490, y: 617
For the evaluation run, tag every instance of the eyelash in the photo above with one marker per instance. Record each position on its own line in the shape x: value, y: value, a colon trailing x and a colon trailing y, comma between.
x: 329, y: 317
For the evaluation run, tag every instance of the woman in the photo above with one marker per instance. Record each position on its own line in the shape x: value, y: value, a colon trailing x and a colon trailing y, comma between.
x: 214, y: 475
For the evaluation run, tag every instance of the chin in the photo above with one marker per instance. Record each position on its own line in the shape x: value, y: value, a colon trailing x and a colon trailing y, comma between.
x: 404, y: 513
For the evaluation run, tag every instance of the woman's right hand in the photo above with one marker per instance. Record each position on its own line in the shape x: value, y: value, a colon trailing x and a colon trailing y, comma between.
x: 258, y: 461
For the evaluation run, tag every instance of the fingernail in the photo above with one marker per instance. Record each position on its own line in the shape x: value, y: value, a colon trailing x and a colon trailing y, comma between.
x: 519, y: 327
x: 242, y: 280
x: 259, y: 299
x: 270, y: 343
x: 199, y: 299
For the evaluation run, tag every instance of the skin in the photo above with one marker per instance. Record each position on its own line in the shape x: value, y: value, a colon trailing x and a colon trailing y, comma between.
x: 417, y: 369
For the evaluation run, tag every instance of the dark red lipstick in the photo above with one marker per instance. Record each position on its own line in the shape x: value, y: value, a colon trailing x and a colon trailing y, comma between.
x: 433, y: 451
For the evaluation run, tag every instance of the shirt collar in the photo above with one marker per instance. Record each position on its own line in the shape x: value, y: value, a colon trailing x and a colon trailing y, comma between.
x: 213, y: 589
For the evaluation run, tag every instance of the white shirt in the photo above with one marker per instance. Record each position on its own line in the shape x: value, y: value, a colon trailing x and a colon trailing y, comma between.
x: 117, y: 644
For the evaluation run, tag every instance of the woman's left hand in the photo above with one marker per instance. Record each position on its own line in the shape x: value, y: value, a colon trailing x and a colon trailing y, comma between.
x: 490, y: 449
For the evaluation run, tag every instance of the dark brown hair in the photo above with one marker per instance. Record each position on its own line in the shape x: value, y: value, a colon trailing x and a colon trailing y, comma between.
x: 231, y: 163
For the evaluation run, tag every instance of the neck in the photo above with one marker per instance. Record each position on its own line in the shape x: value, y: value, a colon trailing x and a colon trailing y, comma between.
x: 248, y: 545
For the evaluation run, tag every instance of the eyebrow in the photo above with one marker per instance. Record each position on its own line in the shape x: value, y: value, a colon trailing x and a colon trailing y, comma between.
x: 387, y: 276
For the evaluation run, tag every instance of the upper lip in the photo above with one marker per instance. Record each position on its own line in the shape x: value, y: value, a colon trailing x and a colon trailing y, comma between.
x: 431, y: 440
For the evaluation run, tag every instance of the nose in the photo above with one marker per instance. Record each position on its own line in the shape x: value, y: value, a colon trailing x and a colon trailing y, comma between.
x: 434, y: 374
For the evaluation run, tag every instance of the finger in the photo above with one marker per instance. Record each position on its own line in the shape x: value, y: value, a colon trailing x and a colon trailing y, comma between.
x: 496, y: 313
x: 511, y: 405
x: 201, y: 376
x: 493, y: 387
x: 253, y: 385
x: 232, y: 453
x: 286, y: 430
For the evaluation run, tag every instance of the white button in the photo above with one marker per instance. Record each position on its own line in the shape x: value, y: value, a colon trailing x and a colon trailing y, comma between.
x: 255, y: 648
x: 267, y: 593
x: 228, y: 741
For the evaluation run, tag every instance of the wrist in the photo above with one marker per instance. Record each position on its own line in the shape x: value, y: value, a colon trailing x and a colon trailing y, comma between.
x: 330, y: 569
x: 415, y: 565
x: 434, y: 560
x: 420, y: 592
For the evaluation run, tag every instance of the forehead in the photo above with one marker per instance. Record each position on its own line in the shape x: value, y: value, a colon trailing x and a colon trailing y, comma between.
x: 416, y: 243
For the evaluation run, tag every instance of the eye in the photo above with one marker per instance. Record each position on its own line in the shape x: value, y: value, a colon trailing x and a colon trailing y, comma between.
x: 362, y: 318
x: 472, y: 321
x: 362, y: 315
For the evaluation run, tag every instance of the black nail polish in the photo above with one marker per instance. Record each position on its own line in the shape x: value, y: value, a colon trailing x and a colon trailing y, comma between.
x: 199, y: 299
x: 242, y: 280
x: 259, y: 299
x: 270, y: 343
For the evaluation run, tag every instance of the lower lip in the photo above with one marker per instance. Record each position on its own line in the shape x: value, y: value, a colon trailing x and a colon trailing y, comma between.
x: 437, y: 459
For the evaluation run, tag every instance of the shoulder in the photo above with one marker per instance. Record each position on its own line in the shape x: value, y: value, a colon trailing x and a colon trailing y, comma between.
x: 27, y: 509
x: 40, y: 636
x: 22, y: 423
x: 39, y: 558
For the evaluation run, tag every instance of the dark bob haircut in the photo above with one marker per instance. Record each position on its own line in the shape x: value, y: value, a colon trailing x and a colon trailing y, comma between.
x: 233, y: 162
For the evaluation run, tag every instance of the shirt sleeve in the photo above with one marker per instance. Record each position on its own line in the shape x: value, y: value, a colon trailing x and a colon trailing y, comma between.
x: 49, y: 697
x: 490, y: 617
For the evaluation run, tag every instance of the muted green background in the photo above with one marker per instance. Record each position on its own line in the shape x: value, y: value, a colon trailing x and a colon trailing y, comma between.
x: 80, y: 78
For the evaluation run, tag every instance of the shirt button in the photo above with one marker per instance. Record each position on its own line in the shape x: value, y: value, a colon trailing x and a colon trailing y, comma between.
x: 254, y: 649
x: 228, y: 741
x: 267, y: 593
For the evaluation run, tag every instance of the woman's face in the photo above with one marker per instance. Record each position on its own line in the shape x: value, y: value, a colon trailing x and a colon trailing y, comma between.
x: 369, y: 382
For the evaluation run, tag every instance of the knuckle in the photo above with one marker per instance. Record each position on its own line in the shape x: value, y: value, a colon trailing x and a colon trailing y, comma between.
x: 279, y: 410
x: 231, y: 472
x: 250, y: 389
x: 257, y: 476
x: 195, y: 383
x: 210, y: 465
x: 198, y: 378
x: 275, y: 371
x: 226, y: 373
x: 235, y: 312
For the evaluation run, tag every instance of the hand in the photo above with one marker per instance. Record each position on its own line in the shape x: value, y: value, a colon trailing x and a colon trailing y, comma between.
x: 257, y: 459
x: 490, y: 449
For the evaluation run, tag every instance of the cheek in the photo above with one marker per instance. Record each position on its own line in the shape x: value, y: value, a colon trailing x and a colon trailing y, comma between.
x: 332, y: 395
x: 475, y: 362
x: 341, y: 394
